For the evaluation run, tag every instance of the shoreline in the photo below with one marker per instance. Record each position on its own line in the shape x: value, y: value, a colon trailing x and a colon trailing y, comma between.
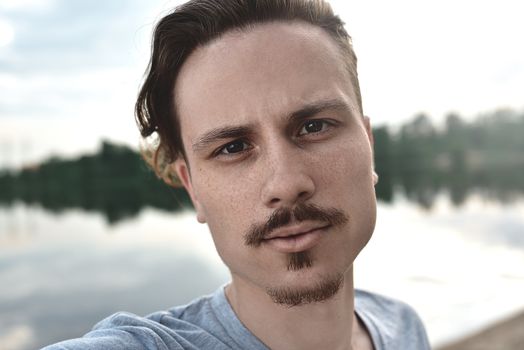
x: 507, y: 334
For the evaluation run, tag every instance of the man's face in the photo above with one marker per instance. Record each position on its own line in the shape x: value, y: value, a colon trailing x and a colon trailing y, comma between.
x: 279, y: 161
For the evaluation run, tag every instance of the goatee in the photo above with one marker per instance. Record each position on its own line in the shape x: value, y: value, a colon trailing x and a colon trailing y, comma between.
x: 320, y: 292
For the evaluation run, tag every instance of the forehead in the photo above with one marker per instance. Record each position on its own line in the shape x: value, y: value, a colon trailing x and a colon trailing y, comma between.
x: 249, y: 75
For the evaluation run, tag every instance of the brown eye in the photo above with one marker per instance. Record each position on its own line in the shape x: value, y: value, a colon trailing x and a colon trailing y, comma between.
x: 312, y: 126
x: 234, y: 147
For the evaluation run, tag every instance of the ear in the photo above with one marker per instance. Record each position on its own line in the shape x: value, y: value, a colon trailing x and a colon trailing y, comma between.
x: 369, y: 132
x: 183, y: 173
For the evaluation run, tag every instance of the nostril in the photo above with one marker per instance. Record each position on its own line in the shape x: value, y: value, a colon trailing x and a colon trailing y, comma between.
x: 275, y: 201
x: 303, y: 194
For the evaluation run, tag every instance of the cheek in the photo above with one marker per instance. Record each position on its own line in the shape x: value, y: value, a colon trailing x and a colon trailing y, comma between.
x: 226, y: 206
x: 346, y: 182
x: 226, y: 201
x: 347, y: 165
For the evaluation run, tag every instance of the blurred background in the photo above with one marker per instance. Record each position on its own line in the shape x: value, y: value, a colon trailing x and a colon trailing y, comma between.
x: 87, y: 230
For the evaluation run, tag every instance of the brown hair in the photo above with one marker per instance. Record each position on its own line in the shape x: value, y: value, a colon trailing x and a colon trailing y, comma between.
x: 194, y: 24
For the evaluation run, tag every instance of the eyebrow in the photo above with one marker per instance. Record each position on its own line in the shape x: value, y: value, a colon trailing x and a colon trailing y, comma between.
x: 234, y: 132
x: 312, y: 109
x: 222, y: 133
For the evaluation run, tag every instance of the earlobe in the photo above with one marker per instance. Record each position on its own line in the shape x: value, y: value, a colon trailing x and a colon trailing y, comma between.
x: 375, y: 178
x: 182, y: 171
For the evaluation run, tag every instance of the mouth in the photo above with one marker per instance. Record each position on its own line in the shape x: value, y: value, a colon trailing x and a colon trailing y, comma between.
x: 293, y: 242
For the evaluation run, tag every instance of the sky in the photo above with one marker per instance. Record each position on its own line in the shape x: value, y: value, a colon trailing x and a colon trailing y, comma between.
x: 70, y: 70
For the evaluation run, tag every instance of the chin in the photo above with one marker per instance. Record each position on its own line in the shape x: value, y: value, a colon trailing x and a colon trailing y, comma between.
x: 307, y: 280
x: 306, y: 289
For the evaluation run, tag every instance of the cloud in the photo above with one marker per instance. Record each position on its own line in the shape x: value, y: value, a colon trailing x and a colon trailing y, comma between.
x: 73, y: 57
x: 436, y: 57
x: 70, y: 75
x: 84, y: 60
x: 17, y: 337
x: 10, y: 5
x: 67, y: 36
x: 6, y: 33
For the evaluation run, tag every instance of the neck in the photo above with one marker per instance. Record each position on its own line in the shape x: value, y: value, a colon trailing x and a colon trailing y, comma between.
x: 330, y: 324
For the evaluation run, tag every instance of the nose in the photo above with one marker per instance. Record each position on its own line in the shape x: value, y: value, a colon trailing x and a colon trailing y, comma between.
x: 288, y: 178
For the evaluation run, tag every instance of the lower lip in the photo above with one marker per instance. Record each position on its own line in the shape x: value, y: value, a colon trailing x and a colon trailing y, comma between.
x: 296, y: 243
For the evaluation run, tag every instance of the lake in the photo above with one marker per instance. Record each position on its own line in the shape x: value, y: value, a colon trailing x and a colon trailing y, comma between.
x: 461, y: 267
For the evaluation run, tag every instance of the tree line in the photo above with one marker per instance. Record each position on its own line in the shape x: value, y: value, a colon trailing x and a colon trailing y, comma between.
x: 484, y: 156
x: 115, y: 181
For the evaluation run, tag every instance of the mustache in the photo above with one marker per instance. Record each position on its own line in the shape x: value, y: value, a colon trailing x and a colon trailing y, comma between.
x: 283, y: 217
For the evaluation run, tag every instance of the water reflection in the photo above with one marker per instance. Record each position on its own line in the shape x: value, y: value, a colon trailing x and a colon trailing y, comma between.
x: 75, y: 270
x: 460, y: 268
x: 501, y: 184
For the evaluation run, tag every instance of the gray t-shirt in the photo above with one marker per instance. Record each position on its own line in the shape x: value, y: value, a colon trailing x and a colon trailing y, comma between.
x: 210, y: 323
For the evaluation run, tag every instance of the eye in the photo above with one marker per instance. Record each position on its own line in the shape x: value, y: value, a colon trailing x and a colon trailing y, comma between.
x: 313, y: 126
x: 236, y: 146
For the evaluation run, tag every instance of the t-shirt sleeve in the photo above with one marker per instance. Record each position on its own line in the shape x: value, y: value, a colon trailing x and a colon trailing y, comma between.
x: 124, y: 331
x: 415, y: 332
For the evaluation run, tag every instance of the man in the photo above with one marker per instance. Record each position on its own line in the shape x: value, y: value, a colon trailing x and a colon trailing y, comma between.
x: 257, y: 107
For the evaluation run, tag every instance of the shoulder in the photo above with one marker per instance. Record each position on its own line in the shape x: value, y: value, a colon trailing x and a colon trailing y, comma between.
x: 183, y: 327
x: 123, y: 331
x: 198, y: 316
x: 383, y: 307
x: 392, y: 323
